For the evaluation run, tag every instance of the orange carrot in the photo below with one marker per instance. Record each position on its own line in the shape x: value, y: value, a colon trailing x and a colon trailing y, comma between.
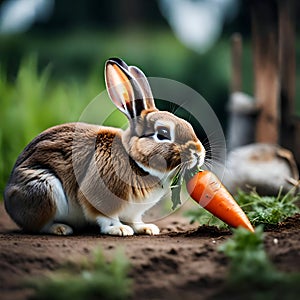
x: 206, y: 189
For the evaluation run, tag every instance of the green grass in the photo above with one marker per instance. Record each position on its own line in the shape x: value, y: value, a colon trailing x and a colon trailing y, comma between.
x: 251, y: 274
x: 156, y: 50
x: 266, y: 209
x: 94, y: 279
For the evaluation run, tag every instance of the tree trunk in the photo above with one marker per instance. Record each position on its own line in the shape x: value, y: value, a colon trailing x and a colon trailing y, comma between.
x: 266, y: 69
x: 287, y: 70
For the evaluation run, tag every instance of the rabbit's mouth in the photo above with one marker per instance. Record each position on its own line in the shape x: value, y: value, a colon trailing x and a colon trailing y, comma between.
x: 197, y: 159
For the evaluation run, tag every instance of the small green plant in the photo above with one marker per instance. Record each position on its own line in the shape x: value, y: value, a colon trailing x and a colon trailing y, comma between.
x: 267, y: 209
x: 248, y: 259
x: 96, y: 279
x: 251, y: 274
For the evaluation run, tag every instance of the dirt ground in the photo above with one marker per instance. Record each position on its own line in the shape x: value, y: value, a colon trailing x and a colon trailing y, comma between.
x: 183, y: 262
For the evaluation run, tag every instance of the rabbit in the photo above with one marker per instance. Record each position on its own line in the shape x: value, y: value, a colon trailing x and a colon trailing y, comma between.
x: 76, y: 174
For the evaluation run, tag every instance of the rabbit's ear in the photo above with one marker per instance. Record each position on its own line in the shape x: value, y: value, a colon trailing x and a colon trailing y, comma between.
x: 123, y: 89
x: 144, y: 84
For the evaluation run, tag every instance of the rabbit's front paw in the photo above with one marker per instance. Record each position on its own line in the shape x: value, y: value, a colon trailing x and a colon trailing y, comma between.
x: 119, y: 230
x: 149, y: 229
x: 112, y: 226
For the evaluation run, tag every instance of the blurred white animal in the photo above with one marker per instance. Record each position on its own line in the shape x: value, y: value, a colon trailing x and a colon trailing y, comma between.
x: 265, y: 167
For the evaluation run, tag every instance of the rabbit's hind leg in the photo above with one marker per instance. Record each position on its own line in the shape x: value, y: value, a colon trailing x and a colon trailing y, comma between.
x: 57, y: 229
x: 34, y: 199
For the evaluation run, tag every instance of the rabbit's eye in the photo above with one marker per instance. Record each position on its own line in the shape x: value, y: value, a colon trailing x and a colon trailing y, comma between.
x: 163, y: 133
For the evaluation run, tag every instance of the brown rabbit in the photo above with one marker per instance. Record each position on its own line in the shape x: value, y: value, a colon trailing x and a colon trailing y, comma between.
x: 74, y: 174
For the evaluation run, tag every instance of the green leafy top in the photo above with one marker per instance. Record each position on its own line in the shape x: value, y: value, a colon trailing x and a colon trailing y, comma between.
x: 183, y: 174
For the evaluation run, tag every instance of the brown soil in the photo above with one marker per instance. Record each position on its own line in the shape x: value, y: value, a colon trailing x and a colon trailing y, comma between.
x: 183, y: 262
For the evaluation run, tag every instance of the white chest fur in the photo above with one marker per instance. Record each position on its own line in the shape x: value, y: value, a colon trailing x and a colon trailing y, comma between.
x: 135, y: 208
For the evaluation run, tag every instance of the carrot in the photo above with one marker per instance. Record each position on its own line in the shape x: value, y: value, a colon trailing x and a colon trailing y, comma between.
x: 206, y: 189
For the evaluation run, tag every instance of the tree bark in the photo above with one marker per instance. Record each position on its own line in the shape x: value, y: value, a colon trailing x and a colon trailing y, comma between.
x: 266, y: 69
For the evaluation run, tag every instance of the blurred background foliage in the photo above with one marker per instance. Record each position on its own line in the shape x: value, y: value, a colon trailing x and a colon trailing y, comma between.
x: 52, y: 66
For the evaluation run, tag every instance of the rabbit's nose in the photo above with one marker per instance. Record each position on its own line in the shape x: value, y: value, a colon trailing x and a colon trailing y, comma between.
x: 196, y: 158
x: 200, y: 157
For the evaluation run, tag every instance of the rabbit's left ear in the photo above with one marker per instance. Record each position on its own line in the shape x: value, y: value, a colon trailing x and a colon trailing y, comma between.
x: 124, y: 89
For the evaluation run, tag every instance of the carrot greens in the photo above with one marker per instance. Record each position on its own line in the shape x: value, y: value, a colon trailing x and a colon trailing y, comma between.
x: 181, y: 175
